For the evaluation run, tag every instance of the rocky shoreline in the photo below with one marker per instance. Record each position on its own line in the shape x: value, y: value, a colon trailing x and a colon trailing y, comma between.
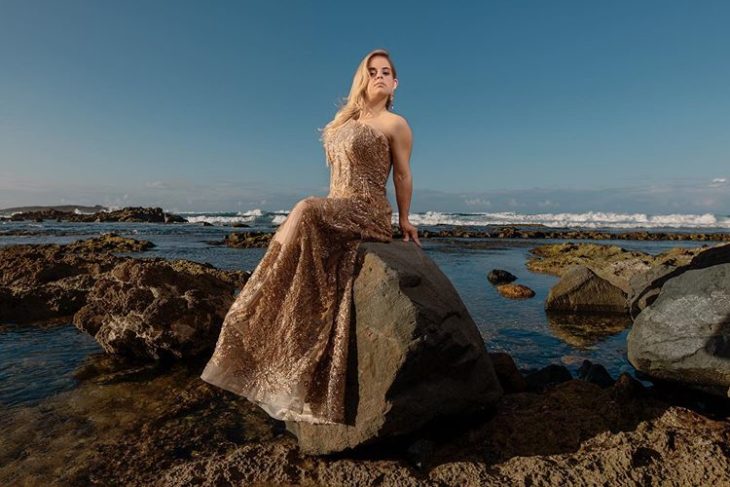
x: 262, y: 239
x: 128, y: 215
x: 142, y: 416
x: 164, y: 426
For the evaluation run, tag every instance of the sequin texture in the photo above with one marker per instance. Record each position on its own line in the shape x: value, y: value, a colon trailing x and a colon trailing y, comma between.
x: 284, y: 341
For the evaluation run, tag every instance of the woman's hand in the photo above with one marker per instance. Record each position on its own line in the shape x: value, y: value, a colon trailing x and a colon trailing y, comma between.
x: 409, y: 232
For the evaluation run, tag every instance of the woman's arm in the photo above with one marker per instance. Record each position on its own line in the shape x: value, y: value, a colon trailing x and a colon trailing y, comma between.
x: 401, y: 146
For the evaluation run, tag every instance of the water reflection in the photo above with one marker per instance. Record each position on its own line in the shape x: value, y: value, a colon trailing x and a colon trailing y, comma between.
x: 38, y: 360
x: 583, y: 331
x: 151, y: 415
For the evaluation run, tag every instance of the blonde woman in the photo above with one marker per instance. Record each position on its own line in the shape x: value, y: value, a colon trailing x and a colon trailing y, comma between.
x: 284, y: 341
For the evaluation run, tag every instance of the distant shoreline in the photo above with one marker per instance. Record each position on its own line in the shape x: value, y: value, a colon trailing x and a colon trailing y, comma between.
x: 63, y: 208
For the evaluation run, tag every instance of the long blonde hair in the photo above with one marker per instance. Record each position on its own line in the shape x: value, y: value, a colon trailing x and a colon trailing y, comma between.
x: 352, y: 106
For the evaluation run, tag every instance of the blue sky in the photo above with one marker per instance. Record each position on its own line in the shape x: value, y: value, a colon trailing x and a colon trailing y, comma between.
x: 528, y: 106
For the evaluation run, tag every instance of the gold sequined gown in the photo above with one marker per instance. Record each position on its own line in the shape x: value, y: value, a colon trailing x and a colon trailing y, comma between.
x: 284, y: 341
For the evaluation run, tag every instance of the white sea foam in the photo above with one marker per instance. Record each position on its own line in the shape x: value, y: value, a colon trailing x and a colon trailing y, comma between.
x: 278, y: 219
x: 219, y: 219
x: 591, y: 219
x: 255, y: 212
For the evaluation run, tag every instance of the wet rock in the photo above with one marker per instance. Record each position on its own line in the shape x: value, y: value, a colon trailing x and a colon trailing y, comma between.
x: 539, y: 232
x: 515, y: 291
x: 580, y: 290
x: 509, y: 376
x: 610, y: 262
x: 176, y: 430
x: 684, y: 335
x: 595, y: 374
x: 153, y: 309
x: 39, y: 215
x: 547, y: 376
x: 138, y: 214
x: 417, y: 353
x: 247, y: 240
x: 109, y: 242
x: 40, y: 282
x: 556, y: 259
x: 498, y: 276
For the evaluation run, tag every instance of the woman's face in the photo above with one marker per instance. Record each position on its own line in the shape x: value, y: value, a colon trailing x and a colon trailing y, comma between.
x: 381, y: 83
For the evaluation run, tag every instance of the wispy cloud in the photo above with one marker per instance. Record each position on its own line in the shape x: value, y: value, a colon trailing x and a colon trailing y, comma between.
x: 477, y: 202
x: 717, y: 182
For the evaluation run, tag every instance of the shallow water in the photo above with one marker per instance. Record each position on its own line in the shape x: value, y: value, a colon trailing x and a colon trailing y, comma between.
x: 37, y: 362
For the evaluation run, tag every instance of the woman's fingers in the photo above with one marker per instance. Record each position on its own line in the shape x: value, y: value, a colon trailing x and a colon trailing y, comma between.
x: 411, y: 233
x: 415, y: 237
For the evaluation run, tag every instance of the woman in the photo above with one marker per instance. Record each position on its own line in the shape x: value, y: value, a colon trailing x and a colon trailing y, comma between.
x: 284, y: 342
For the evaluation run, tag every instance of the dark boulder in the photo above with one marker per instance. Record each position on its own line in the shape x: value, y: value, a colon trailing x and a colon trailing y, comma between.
x: 546, y: 377
x: 645, y: 286
x: 595, y: 374
x: 509, y: 376
x: 498, y: 276
x: 684, y: 335
x: 417, y: 354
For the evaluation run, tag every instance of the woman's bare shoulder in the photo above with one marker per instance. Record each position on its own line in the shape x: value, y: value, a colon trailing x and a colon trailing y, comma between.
x: 398, y: 125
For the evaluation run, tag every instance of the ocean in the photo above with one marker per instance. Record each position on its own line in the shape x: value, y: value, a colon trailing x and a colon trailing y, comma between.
x: 587, y: 220
x: 39, y: 361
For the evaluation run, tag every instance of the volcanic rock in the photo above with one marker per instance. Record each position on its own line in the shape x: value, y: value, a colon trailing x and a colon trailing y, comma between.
x: 153, y: 309
x: 417, y: 354
x: 41, y: 282
x: 246, y: 240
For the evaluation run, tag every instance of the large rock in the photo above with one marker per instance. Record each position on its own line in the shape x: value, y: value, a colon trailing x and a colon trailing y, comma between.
x: 416, y: 353
x: 645, y: 286
x: 685, y: 334
x: 41, y: 282
x: 580, y: 290
x: 153, y: 309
